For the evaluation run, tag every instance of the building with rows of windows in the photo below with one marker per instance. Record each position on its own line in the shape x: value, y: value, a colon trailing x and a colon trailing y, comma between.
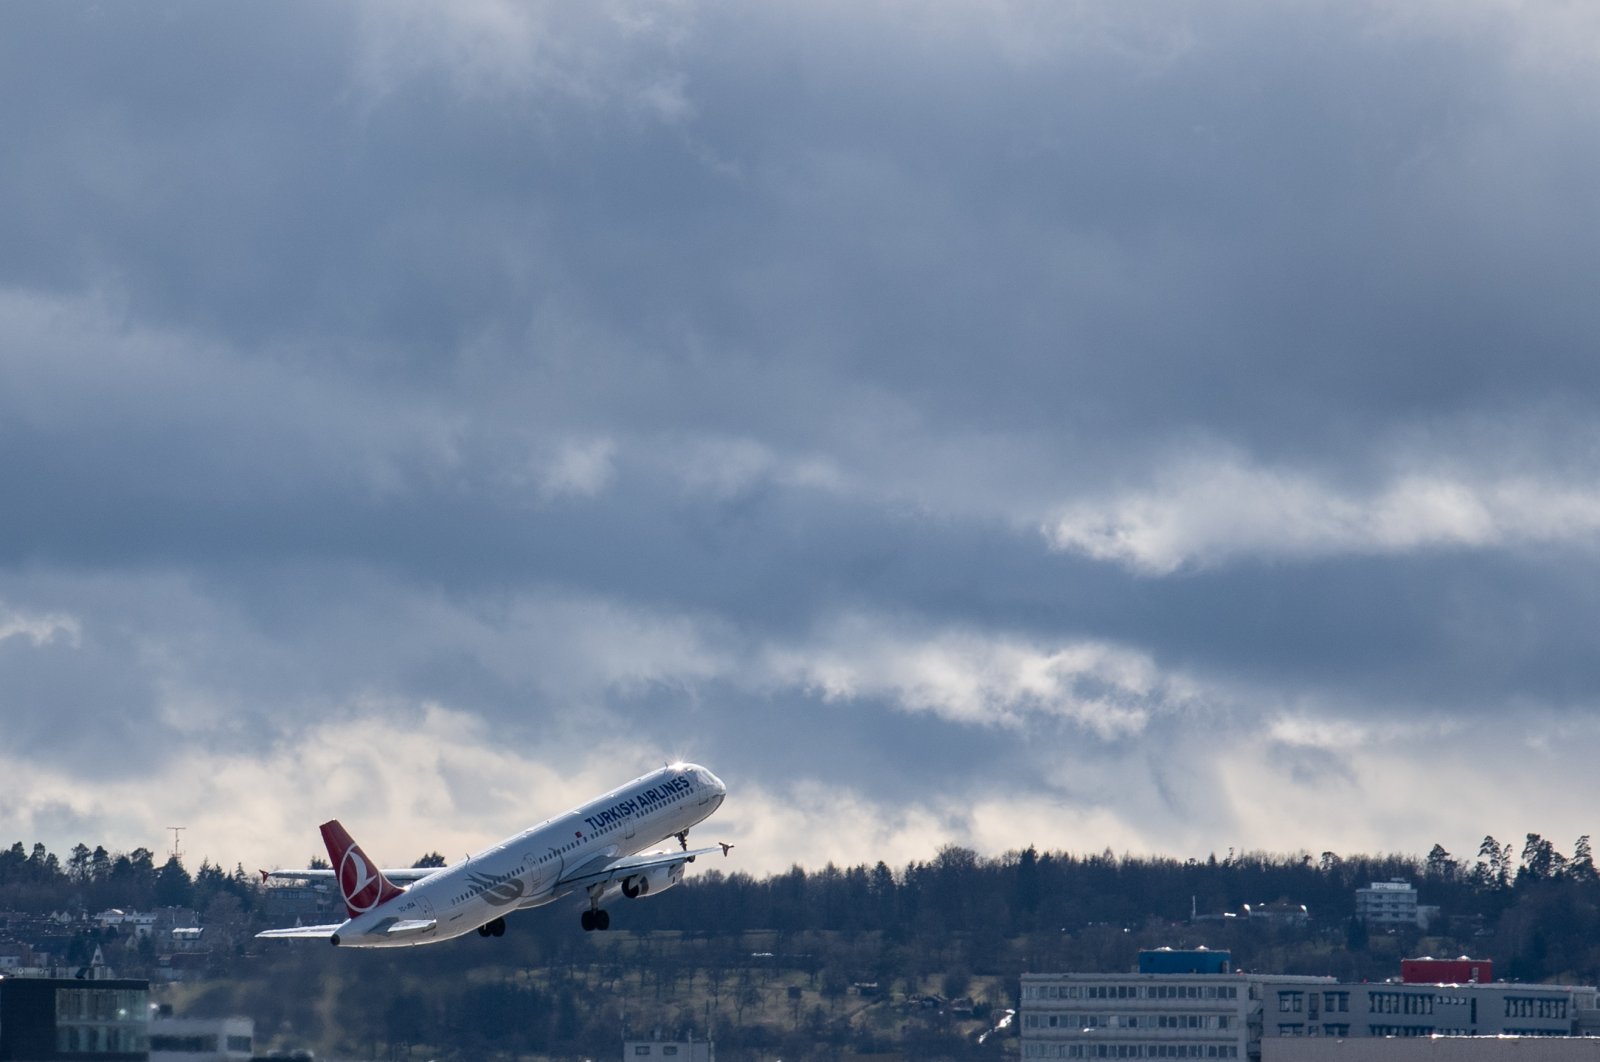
x: 1401, y: 1009
x: 1391, y: 903
x: 1186, y: 1005
x: 1180, y: 1005
x: 43, y: 1018
x: 1434, y: 1049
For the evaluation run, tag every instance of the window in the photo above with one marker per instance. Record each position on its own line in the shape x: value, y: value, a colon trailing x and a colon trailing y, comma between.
x: 1535, y: 1007
x: 1399, y: 1003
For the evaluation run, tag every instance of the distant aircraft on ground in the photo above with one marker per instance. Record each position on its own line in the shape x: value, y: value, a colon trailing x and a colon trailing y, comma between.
x: 593, y: 847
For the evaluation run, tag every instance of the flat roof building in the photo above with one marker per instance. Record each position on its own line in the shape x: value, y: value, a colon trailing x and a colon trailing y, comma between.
x: 1388, y: 903
x: 1397, y: 1009
x: 1166, y: 1012
x: 201, y: 1039
x: 1162, y: 1012
x: 43, y: 1019
x: 689, y: 1050
x: 1436, y: 1049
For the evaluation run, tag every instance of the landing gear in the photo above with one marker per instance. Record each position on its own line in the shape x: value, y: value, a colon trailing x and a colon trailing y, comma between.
x: 595, y: 918
x: 496, y: 928
x: 683, y: 840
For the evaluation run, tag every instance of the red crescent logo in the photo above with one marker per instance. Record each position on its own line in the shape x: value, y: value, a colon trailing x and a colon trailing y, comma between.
x: 358, y: 882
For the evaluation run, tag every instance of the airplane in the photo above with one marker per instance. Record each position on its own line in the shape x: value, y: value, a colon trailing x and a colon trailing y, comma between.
x: 593, y: 847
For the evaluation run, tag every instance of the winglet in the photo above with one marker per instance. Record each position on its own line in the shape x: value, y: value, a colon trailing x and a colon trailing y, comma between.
x: 726, y: 847
x: 360, y: 881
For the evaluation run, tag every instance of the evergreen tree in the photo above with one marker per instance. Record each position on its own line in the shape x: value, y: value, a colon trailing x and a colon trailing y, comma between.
x: 1540, y: 861
x: 1440, y: 866
x: 1494, y: 864
x: 1582, y: 868
x: 132, y: 879
x: 12, y: 862
x: 78, y: 864
x: 1028, y: 889
x: 173, y: 888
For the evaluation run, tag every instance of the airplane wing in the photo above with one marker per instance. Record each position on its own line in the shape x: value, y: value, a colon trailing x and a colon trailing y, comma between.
x: 407, y: 874
x: 606, y: 869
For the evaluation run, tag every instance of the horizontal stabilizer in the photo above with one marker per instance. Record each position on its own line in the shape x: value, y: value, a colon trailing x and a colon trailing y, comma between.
x: 300, y: 933
x: 314, y: 874
x: 405, y: 926
x: 398, y: 927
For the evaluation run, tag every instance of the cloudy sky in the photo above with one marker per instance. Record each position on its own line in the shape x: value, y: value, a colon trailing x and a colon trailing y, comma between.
x: 1167, y: 427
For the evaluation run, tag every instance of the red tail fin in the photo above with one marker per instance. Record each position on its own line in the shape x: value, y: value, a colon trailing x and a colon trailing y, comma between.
x: 363, y: 884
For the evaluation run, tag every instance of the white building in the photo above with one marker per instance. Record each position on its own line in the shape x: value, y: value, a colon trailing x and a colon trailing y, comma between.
x: 690, y: 1050
x: 1395, y: 1009
x: 1143, y: 1015
x: 1436, y: 1049
x: 127, y: 922
x: 201, y: 1039
x: 1167, y: 1012
x: 1389, y: 903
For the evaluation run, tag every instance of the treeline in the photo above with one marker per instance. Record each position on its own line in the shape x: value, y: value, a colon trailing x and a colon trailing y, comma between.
x: 957, y: 890
x: 1547, y: 899
x: 94, y: 880
x: 1029, y: 891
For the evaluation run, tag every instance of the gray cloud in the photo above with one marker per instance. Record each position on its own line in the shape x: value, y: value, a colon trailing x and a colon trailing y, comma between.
x: 951, y: 421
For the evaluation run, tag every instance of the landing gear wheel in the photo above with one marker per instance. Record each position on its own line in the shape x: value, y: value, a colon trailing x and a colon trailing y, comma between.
x: 587, y: 920
x: 498, y: 927
x: 602, y: 920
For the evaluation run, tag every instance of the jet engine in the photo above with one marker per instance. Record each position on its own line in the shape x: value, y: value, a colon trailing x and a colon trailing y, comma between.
x: 656, y: 879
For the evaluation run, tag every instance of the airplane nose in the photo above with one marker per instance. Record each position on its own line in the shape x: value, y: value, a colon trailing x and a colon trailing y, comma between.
x: 712, y: 782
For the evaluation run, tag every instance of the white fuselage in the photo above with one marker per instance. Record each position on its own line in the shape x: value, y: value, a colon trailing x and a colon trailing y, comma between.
x: 529, y: 869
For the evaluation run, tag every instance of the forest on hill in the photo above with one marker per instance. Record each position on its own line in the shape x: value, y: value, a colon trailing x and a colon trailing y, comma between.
x: 917, y: 960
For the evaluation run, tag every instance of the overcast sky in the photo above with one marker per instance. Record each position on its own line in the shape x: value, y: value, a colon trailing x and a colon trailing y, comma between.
x: 1167, y: 427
